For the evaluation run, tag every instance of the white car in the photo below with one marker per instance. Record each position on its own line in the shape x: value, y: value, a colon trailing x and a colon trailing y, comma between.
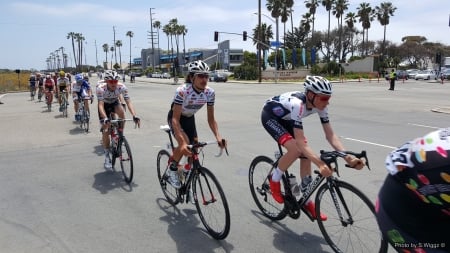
x: 425, y: 75
x: 165, y: 75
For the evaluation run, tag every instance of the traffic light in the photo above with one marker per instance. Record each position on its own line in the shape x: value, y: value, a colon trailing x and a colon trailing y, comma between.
x: 244, y: 35
x: 438, y: 58
x: 216, y: 36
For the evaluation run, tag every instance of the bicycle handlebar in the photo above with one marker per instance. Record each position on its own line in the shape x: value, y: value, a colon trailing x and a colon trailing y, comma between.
x: 330, y: 157
x: 121, y: 120
x: 202, y: 144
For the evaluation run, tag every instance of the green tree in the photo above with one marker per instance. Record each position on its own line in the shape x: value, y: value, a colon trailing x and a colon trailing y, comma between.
x: 365, y: 13
x: 106, y: 50
x: 72, y: 36
x: 130, y: 34
x: 119, y: 45
x: 383, y: 13
x: 328, y: 4
x: 339, y: 7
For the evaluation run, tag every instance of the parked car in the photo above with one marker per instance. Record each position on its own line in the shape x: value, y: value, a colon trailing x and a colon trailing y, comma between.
x: 218, y: 77
x: 425, y: 75
x: 412, y: 73
x: 156, y: 75
x: 165, y: 75
x: 446, y: 74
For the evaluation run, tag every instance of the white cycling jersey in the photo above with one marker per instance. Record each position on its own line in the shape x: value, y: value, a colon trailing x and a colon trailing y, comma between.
x: 109, y: 97
x: 192, y: 100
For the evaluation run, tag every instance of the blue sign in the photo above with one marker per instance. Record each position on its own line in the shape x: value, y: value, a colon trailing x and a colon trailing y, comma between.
x: 275, y: 44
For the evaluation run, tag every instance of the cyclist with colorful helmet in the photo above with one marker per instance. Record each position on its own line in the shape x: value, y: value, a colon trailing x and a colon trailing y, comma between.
x: 108, y: 94
x: 188, y: 99
x: 63, y: 84
x: 81, y: 91
x: 282, y: 117
x: 413, y: 205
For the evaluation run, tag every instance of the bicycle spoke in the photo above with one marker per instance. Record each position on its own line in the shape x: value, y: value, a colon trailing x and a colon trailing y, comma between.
x: 351, y: 225
x: 211, y: 204
x: 126, y: 160
x: 162, y: 163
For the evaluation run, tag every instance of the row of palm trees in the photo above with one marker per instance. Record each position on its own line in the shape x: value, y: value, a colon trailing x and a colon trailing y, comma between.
x: 113, y: 49
x: 303, y: 36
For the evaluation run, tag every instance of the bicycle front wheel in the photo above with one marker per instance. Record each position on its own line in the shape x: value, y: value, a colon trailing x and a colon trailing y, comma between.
x: 351, y: 225
x: 162, y: 165
x: 211, y: 203
x: 126, y: 159
x: 85, y: 120
x: 258, y: 174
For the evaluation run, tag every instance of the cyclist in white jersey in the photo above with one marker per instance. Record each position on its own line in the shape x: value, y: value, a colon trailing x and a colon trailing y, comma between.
x: 188, y: 99
x: 108, y: 94
x: 282, y: 118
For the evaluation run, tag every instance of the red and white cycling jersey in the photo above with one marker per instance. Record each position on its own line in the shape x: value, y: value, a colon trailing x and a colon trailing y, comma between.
x: 192, y: 100
x: 108, y: 96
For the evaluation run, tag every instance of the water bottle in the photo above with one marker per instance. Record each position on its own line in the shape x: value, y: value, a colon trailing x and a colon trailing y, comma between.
x: 295, y: 189
x: 277, y: 155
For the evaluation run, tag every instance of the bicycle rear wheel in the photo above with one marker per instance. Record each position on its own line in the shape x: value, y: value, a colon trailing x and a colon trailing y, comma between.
x: 258, y: 174
x: 126, y: 159
x: 211, y: 203
x: 162, y: 165
x: 85, y: 120
x: 358, y: 230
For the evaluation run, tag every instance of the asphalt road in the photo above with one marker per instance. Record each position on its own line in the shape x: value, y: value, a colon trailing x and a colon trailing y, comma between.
x: 56, y: 196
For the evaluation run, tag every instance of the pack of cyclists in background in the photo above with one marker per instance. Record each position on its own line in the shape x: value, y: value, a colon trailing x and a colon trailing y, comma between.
x: 81, y: 92
x: 109, y: 92
x: 282, y: 117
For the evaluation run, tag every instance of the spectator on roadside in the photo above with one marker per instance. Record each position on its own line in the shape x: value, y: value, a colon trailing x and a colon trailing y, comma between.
x: 392, y: 77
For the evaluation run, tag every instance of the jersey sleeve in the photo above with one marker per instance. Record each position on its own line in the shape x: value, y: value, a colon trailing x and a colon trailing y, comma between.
x: 179, y: 96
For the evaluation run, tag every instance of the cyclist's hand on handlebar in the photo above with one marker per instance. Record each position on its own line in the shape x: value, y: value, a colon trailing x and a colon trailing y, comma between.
x: 184, y: 150
x: 137, y: 121
x: 325, y: 171
x: 355, y: 163
x: 104, y: 121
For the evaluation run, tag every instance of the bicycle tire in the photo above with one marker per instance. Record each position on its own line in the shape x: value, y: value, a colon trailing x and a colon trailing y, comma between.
x: 211, y: 203
x: 86, y: 120
x: 259, y: 187
x: 358, y: 234
x: 162, y: 164
x: 126, y: 159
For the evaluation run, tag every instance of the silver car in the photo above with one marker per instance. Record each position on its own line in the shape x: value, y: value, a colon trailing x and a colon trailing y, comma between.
x: 425, y: 75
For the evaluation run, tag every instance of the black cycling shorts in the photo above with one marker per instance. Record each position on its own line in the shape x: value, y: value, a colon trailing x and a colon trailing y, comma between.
x: 187, y: 125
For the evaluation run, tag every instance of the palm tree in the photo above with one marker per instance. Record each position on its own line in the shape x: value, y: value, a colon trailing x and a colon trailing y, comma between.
x: 312, y: 6
x: 106, y: 50
x: 263, y: 36
x: 119, y: 45
x: 383, y: 12
x: 339, y: 7
x: 130, y: 34
x: 79, y: 38
x: 350, y: 20
x: 328, y: 4
x: 157, y: 26
x: 184, y: 30
x: 366, y: 15
x: 71, y: 35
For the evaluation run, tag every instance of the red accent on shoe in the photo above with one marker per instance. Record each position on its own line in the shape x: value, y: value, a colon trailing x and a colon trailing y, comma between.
x: 311, y: 208
x: 275, y: 188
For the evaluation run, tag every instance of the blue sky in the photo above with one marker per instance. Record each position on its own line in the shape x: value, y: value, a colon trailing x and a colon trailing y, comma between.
x: 33, y: 29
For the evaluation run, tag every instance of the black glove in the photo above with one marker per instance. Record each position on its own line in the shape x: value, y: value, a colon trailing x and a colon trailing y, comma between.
x: 137, y: 121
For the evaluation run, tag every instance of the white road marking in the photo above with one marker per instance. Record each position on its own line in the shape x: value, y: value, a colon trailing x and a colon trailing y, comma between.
x: 368, y: 142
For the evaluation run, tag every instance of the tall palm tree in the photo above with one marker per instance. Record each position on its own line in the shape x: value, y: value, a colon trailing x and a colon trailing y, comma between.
x: 339, y: 7
x: 106, y: 50
x: 130, y: 34
x: 157, y: 26
x: 383, y: 13
x: 366, y: 16
x: 80, y: 39
x: 328, y: 4
x: 72, y: 36
x: 312, y: 6
x: 350, y: 20
x: 262, y: 35
x: 119, y: 45
x: 184, y: 30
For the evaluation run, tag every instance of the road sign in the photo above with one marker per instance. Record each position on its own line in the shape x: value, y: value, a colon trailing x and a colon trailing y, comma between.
x: 275, y: 44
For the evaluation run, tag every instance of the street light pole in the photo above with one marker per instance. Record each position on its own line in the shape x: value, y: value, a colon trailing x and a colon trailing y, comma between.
x: 151, y: 35
x: 277, y: 43
x: 258, y: 46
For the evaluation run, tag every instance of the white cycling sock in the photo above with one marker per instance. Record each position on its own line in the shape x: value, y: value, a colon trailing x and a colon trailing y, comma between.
x: 277, y: 174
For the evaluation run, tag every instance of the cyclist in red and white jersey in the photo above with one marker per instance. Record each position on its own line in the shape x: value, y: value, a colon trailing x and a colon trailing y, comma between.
x: 413, y: 206
x: 282, y: 118
x: 108, y: 94
x: 188, y: 99
x: 49, y: 88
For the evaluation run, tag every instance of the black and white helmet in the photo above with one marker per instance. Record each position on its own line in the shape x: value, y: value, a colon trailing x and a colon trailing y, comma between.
x: 318, y: 85
x: 111, y: 75
x: 199, y: 67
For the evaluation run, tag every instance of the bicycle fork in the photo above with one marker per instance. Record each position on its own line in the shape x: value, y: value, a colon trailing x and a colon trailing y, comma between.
x: 340, y: 204
x: 206, y: 200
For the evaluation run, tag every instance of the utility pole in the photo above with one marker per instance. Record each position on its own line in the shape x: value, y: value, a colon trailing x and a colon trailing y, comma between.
x: 258, y: 46
x: 96, y: 55
x: 151, y: 35
x: 115, y: 51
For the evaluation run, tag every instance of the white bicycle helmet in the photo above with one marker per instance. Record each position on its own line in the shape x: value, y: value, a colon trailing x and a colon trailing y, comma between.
x: 111, y: 75
x: 318, y: 85
x: 199, y: 67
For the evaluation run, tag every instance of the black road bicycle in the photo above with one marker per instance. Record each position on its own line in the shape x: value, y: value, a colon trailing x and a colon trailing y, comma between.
x: 351, y: 224
x: 198, y: 185
x: 120, y: 149
x: 84, y: 115
x: 63, y: 107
